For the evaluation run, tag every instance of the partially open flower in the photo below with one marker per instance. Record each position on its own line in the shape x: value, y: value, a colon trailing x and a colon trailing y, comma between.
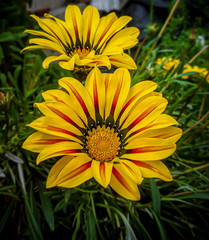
x: 85, y: 40
x: 105, y: 130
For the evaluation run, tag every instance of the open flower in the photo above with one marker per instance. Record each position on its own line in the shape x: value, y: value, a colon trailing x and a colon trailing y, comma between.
x: 85, y: 40
x: 105, y: 130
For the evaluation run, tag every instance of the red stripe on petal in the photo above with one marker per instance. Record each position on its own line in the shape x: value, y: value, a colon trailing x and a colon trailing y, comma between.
x: 122, y: 181
x: 79, y: 98
x: 144, y: 165
x: 49, y: 141
x: 76, y: 172
x: 142, y: 116
x: 147, y: 149
x: 96, y: 100
x: 115, y: 99
x: 102, y: 170
x: 56, y: 129
x: 63, y: 116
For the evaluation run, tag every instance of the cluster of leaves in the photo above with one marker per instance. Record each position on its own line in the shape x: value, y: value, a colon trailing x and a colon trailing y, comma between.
x: 167, y: 210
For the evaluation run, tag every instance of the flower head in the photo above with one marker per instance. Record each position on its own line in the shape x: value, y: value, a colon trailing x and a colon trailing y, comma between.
x: 105, y: 130
x: 167, y: 63
x: 85, y: 40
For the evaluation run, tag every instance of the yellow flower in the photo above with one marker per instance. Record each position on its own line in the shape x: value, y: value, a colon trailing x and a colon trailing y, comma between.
x: 105, y: 130
x: 168, y: 63
x: 187, y: 69
x: 85, y: 40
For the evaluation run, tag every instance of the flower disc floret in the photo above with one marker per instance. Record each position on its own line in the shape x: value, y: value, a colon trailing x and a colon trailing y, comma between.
x: 103, y: 144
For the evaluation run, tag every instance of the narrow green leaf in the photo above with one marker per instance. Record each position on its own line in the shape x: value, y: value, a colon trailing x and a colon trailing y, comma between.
x: 156, y: 199
x: 163, y: 234
x: 6, y: 215
x: 90, y: 225
x: 78, y: 222
x: 46, y: 206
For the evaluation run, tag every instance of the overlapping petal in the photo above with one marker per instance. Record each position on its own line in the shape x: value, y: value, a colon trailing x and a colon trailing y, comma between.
x: 75, y: 172
x: 123, y: 184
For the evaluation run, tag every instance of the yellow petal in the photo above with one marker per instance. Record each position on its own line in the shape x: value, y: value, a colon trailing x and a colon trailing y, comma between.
x: 124, y: 185
x: 144, y: 112
x: 90, y: 23
x: 123, y: 60
x: 170, y: 133
x: 74, y: 22
x: 56, y: 127
x: 50, y: 59
x: 59, y: 149
x: 59, y: 50
x: 76, y: 172
x: 56, y: 95
x: 117, y: 92
x: 42, y: 34
x: 96, y: 88
x: 81, y: 101
x: 125, y: 39
x: 148, y: 149
x: 63, y: 27
x: 136, y: 92
x: 37, y: 141
x: 114, y: 28
x: 102, y: 172
x: 162, y: 121
x: 60, y: 110
x: 70, y: 65
x: 103, y: 27
x: 131, y: 170
x: 48, y: 44
x: 55, y: 171
x: 154, y: 169
x: 51, y: 27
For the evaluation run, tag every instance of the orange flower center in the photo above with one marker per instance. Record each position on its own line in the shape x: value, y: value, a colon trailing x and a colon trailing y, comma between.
x: 103, y: 144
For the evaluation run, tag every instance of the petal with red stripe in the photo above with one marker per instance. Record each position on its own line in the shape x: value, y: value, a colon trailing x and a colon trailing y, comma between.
x: 117, y: 92
x: 123, y: 184
x: 76, y: 172
x: 56, y: 169
x: 148, y: 149
x: 130, y: 169
x: 81, y: 101
x: 102, y: 172
x: 154, y: 169
x: 37, y: 141
x: 56, y: 127
x: 96, y: 88
x: 59, y: 149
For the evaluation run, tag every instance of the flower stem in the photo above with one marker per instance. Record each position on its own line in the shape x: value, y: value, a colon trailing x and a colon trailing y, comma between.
x: 197, y: 55
x: 198, y: 122
x: 160, y: 34
x: 139, y: 48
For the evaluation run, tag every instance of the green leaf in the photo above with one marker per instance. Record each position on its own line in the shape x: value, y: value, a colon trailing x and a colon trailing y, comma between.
x: 163, y: 234
x: 78, y: 222
x: 6, y: 215
x: 6, y: 37
x: 156, y: 200
x: 90, y: 225
x: 46, y: 206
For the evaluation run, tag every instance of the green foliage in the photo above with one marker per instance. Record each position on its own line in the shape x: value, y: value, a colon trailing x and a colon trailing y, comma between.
x: 167, y: 210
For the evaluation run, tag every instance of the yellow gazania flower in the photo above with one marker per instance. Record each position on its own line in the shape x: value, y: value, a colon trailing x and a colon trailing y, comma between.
x: 105, y: 130
x: 86, y: 40
x: 167, y: 64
